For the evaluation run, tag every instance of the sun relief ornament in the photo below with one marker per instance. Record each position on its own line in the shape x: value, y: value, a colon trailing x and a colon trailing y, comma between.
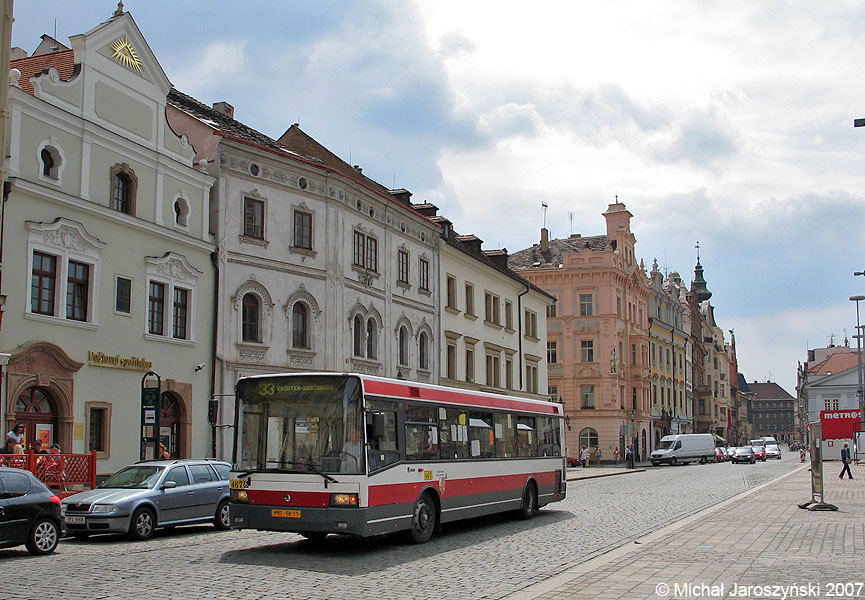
x: 125, y: 54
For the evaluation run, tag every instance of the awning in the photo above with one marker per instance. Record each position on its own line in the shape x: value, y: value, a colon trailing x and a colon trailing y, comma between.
x: 718, y: 438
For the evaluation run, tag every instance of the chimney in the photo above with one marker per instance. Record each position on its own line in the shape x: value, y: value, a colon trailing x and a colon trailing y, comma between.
x: 545, y: 240
x: 224, y: 108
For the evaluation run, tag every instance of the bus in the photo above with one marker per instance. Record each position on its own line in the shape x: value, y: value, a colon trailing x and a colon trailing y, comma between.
x: 322, y: 453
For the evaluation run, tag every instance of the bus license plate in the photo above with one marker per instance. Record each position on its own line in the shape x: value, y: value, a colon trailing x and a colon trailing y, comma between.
x: 238, y: 484
x: 76, y: 520
x: 279, y: 512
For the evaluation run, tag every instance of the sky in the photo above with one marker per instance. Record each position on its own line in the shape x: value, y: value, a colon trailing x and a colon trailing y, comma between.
x: 724, y: 123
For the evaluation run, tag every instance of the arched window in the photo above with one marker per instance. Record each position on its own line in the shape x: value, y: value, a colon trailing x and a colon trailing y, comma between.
x: 121, y: 193
x: 371, y: 342
x: 181, y: 212
x: 47, y: 162
x: 422, y: 357
x: 589, y: 438
x: 358, y: 335
x: 300, y: 325
x: 51, y: 162
x: 251, y: 318
x: 124, y: 187
x: 403, y: 346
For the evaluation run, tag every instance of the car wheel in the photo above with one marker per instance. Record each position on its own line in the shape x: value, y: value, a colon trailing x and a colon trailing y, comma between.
x: 530, y: 502
x: 423, y: 521
x: 674, y: 461
x: 44, y: 537
x: 703, y: 460
x: 222, y: 519
x: 655, y: 463
x: 142, y: 524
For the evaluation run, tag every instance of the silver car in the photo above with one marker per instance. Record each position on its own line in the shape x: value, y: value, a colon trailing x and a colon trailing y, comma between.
x: 150, y: 494
x: 773, y: 451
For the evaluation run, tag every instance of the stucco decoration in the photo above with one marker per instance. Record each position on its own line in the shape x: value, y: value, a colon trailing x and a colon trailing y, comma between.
x: 66, y: 234
x: 253, y: 286
x: 174, y: 266
x: 302, y: 295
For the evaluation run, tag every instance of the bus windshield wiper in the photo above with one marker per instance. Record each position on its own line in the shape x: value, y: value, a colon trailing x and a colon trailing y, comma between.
x: 309, y: 466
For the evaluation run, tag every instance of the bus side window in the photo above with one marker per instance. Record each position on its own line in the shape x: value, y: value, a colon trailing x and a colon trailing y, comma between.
x: 382, y: 449
x: 505, y: 431
x: 453, y: 433
x: 550, y: 438
x: 527, y: 436
x: 421, y: 433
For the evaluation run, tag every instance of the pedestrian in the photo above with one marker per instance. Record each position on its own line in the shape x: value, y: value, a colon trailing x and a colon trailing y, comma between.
x: 163, y: 452
x: 845, y: 458
x: 16, y: 434
x: 629, y: 456
x: 37, y: 447
x: 598, y: 456
x: 584, y: 456
x: 616, y: 454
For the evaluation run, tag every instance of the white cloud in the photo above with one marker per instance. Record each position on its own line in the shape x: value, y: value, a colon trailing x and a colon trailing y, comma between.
x: 220, y: 62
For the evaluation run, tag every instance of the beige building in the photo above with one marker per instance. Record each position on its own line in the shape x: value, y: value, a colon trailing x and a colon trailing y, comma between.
x: 106, y: 262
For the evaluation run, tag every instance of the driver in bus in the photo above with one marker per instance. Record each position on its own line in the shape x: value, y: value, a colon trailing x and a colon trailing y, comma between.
x: 351, y: 452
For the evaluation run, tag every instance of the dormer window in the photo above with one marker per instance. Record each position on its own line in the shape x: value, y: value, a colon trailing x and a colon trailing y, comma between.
x: 124, y: 187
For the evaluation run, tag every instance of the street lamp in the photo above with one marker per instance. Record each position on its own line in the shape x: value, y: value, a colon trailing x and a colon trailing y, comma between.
x: 858, y: 336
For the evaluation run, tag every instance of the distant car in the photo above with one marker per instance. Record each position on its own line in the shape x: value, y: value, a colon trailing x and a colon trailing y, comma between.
x: 773, y: 451
x: 150, y: 494
x: 29, y: 512
x: 731, y: 450
x: 760, y: 453
x: 744, y: 454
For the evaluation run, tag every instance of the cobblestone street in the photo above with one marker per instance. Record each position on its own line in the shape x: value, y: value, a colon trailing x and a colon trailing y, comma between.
x: 483, y: 558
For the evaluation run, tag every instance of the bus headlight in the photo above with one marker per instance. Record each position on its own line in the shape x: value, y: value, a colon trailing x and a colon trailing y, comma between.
x: 343, y: 499
x: 239, y: 496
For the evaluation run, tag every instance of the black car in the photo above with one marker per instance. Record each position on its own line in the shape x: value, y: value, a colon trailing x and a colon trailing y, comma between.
x: 744, y: 454
x: 29, y: 512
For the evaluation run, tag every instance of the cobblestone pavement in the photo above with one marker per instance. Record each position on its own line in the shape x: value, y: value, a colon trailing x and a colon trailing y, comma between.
x: 759, y: 545
x: 481, y: 558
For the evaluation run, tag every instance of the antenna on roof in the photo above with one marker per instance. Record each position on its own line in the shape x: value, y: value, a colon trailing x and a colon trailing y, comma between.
x: 55, y: 47
x: 544, y: 207
x: 571, y: 219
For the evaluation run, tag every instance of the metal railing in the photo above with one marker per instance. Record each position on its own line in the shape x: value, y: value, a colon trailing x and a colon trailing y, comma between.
x: 56, y: 470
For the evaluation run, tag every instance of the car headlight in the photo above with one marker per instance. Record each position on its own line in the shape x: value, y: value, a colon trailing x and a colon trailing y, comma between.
x: 104, y: 508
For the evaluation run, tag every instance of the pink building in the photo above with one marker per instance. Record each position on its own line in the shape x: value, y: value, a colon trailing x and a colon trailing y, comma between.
x: 597, y: 334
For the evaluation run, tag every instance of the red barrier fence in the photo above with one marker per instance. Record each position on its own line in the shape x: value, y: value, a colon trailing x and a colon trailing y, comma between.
x: 56, y: 470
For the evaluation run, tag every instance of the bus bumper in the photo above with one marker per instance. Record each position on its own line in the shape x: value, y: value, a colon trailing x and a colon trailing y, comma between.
x: 351, y: 521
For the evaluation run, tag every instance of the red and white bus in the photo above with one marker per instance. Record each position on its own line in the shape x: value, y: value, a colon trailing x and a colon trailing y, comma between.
x: 320, y: 453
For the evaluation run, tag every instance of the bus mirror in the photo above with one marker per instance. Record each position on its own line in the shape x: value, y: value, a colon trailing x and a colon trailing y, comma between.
x: 377, y: 430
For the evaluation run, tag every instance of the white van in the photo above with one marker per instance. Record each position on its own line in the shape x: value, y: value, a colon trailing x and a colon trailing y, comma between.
x: 684, y: 448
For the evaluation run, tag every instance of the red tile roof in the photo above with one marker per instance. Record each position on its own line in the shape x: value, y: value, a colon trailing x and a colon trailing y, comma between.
x: 64, y: 61
x: 835, y: 363
x: 769, y: 391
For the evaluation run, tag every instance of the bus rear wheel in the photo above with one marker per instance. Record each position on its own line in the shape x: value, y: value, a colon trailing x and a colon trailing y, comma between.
x: 423, y: 521
x: 530, y: 502
x: 314, y: 536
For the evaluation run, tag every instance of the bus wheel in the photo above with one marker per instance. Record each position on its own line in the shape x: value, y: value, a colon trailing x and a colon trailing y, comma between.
x: 314, y: 536
x: 530, y: 502
x: 423, y: 520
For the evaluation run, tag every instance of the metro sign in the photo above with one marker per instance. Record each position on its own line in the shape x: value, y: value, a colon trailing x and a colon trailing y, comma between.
x: 838, y: 424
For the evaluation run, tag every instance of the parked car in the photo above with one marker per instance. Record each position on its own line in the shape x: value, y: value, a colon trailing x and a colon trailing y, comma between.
x: 760, y: 453
x: 150, y: 494
x: 773, y: 451
x: 29, y: 512
x: 744, y: 454
x: 683, y: 448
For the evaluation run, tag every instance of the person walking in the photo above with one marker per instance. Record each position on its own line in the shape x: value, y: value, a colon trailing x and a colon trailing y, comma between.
x: 616, y: 454
x: 584, y: 456
x: 845, y: 458
x: 629, y: 456
x: 598, y: 456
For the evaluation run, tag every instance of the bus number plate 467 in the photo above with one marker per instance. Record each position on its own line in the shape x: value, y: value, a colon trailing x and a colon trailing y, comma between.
x: 281, y: 512
x: 239, y: 484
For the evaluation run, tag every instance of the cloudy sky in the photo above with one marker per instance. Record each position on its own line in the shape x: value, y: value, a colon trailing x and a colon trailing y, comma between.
x: 726, y: 123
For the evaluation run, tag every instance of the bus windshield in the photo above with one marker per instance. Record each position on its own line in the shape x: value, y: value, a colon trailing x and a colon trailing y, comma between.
x: 303, y: 424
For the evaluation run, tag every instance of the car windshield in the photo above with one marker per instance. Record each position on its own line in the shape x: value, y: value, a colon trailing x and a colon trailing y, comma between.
x: 743, y: 451
x: 664, y: 444
x: 757, y: 442
x: 133, y: 478
x: 772, y: 447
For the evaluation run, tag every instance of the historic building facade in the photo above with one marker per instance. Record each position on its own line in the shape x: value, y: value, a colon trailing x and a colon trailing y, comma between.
x: 106, y: 266
x: 320, y: 268
x: 600, y: 330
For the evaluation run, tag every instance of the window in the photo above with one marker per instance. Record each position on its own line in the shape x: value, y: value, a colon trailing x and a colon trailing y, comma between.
x: 181, y: 212
x: 634, y: 398
x: 509, y: 316
x: 470, y: 299
x: 422, y: 351
x: 253, y: 218
x: 552, y: 352
x: 506, y: 435
x: 250, y: 318
x: 531, y: 319
x: 451, y: 292
x: 359, y: 241
x: 48, y: 169
x: 527, y: 436
x: 452, y: 361
x: 585, y: 305
x: 300, y: 326
x: 587, y: 396
x: 42, y: 284
x: 371, y: 341
x: 633, y: 354
x: 551, y: 311
x: 532, y: 378
x: 358, y: 335
x: 202, y: 473
x: 181, y: 312
x: 402, y: 260
x: 470, y: 364
x: 491, y: 308
x: 587, y: 351
x: 98, y: 421
x: 553, y: 393
x: 493, y: 367
x: 421, y: 433
x: 179, y: 476
x: 124, y: 187
x: 372, y: 254
x: 403, y: 346
x: 156, y: 308
x: 509, y: 373
x: 453, y: 433
x: 302, y: 230
x: 423, y: 274
x: 589, y: 438
x: 481, y: 440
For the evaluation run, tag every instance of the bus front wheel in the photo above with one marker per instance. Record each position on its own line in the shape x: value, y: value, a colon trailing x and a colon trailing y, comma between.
x: 423, y: 520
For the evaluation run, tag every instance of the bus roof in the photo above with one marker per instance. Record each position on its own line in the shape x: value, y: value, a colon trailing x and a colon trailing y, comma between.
x: 412, y: 390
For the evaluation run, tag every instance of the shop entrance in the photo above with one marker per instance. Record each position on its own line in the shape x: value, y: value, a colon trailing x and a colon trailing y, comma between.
x: 35, y: 409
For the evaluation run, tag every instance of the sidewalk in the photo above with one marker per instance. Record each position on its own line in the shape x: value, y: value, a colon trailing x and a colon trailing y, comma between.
x: 759, y: 538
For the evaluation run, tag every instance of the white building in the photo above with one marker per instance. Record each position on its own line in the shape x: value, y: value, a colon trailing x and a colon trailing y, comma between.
x: 106, y: 263
x: 320, y: 268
